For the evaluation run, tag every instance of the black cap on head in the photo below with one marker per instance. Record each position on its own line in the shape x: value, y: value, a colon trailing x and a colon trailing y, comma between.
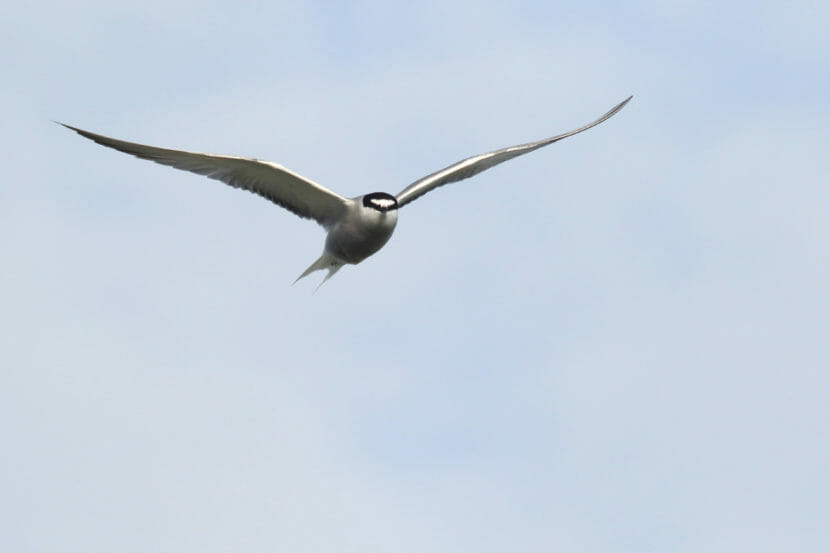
x: 380, y: 201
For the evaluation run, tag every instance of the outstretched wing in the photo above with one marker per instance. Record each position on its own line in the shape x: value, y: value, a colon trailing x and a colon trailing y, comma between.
x: 269, y: 180
x: 466, y: 168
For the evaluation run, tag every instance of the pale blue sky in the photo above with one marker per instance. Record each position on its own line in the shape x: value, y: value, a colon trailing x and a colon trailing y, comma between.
x: 618, y: 343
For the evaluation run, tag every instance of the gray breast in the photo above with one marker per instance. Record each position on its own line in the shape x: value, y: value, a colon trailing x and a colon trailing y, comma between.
x: 360, y: 234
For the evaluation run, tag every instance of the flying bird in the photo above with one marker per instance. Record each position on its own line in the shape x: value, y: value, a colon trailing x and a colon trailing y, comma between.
x: 356, y: 227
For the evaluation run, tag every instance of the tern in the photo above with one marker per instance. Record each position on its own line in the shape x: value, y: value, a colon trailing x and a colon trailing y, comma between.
x: 356, y: 227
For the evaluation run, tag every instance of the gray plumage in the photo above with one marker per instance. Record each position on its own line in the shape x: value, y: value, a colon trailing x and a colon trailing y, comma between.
x: 357, y: 227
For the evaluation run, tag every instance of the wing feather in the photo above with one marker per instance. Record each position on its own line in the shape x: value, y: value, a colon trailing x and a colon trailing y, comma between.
x: 269, y: 180
x: 466, y: 168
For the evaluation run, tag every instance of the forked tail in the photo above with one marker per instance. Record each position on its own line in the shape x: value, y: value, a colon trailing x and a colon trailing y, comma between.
x: 325, y: 261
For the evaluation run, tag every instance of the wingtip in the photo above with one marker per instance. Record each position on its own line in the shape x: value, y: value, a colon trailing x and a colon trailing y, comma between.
x: 70, y: 127
x: 614, y: 110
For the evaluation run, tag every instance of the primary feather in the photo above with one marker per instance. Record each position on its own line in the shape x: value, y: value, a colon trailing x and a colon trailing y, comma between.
x: 466, y: 168
x: 269, y: 180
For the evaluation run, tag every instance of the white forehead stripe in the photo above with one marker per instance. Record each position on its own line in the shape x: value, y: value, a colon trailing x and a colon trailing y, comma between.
x: 383, y: 202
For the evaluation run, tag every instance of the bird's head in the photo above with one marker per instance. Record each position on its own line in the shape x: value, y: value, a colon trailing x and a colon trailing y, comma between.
x: 380, y: 201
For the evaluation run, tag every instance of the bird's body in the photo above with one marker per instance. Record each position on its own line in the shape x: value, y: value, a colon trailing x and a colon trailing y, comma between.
x: 361, y: 232
x: 357, y: 227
